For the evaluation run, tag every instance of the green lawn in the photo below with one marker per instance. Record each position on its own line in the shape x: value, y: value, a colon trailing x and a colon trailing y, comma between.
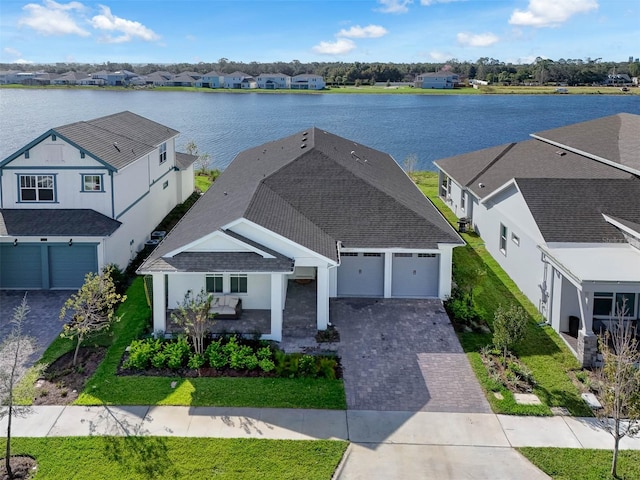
x: 583, y: 464
x: 132, y: 458
x: 543, y: 351
x: 105, y: 387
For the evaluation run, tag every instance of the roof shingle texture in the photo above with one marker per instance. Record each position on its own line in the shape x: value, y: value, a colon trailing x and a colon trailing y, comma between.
x: 117, y: 139
x: 316, y: 189
x: 55, y: 222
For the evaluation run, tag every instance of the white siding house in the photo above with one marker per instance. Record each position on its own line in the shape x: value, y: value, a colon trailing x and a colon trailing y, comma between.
x: 274, y: 81
x: 307, y: 82
x: 561, y: 215
x: 442, y: 80
x: 93, y: 189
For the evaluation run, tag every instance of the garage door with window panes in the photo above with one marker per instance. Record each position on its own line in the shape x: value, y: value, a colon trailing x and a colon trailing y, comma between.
x: 415, y: 275
x: 361, y: 274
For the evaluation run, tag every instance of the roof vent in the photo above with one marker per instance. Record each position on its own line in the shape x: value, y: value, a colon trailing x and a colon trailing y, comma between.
x: 481, y: 185
x: 560, y: 153
x: 115, y: 144
x: 304, y: 134
x: 303, y: 146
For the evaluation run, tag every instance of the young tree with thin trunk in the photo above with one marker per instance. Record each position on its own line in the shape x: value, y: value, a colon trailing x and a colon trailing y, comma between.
x: 509, y: 328
x: 93, y: 308
x: 193, y: 314
x: 619, y: 380
x: 14, y: 357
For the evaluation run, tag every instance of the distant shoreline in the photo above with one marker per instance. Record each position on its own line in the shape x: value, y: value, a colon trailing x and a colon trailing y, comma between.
x: 364, y: 90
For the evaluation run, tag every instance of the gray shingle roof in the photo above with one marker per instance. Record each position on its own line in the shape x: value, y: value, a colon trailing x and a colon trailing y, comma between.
x: 571, y: 210
x: 185, y: 160
x: 134, y: 135
x: 316, y: 189
x: 53, y: 222
x: 615, y: 138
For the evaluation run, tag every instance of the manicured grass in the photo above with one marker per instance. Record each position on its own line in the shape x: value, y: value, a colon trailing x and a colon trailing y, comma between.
x: 105, y: 387
x: 203, y: 182
x: 132, y: 458
x: 582, y: 464
x: 543, y: 351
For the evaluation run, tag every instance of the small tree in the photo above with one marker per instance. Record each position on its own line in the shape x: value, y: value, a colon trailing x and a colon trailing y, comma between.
x: 202, y: 163
x: 409, y: 163
x: 14, y: 357
x: 93, y: 308
x: 509, y: 328
x: 193, y: 314
x: 619, y: 382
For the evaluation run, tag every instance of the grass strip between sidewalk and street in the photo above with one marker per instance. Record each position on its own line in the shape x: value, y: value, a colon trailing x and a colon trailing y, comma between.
x: 132, y: 458
x: 542, y: 351
x: 106, y: 387
x: 583, y: 464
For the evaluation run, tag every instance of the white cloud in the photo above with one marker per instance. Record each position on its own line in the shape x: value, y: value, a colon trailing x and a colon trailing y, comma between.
x: 339, y: 47
x: 426, y: 3
x: 22, y: 61
x: 476, y: 40
x: 551, y: 13
x: 127, y: 30
x: 439, y: 56
x: 370, y: 31
x: 12, y: 52
x: 53, y: 18
x: 394, y: 6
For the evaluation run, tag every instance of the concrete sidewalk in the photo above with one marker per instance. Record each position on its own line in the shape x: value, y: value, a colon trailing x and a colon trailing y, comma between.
x: 358, y: 426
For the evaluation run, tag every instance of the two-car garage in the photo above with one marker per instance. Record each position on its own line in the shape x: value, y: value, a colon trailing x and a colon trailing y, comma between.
x: 29, y: 266
x: 362, y: 274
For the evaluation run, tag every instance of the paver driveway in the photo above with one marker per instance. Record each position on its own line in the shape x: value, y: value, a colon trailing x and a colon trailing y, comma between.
x: 403, y: 355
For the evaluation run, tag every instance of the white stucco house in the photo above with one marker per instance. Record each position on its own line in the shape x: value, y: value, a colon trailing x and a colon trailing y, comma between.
x: 274, y: 81
x: 312, y: 206
x: 307, y: 81
x: 84, y: 195
x: 441, y: 80
x: 239, y: 80
x: 561, y: 214
x: 210, y: 79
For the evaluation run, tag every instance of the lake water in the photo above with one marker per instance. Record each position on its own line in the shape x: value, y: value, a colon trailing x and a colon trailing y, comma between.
x: 223, y: 124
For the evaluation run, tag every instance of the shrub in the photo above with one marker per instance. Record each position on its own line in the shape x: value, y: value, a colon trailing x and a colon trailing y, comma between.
x: 159, y: 360
x: 177, y: 353
x: 307, y: 366
x: 243, y: 357
x: 264, y: 353
x: 141, y: 352
x: 266, y: 365
x: 327, y: 367
x: 216, y: 355
x: 196, y: 361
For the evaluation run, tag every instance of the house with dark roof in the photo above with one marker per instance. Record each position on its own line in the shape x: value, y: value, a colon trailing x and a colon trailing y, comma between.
x: 306, y: 81
x: 210, y: 79
x: 442, y: 80
x: 239, y: 80
x: 84, y: 195
x: 312, y: 206
x: 274, y: 81
x: 561, y: 214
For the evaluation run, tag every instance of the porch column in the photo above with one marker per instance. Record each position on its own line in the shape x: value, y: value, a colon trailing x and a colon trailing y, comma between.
x: 444, y: 282
x: 322, y: 298
x: 159, y: 303
x: 277, y: 284
x: 388, y: 272
x: 587, y: 340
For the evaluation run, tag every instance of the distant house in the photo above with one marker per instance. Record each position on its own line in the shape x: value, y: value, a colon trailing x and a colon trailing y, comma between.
x: 70, y: 78
x: 441, y: 80
x: 84, y: 195
x: 211, y: 79
x: 561, y: 214
x: 307, y: 82
x: 311, y: 206
x: 618, y: 80
x: 181, y: 80
x: 157, y: 79
x: 8, y: 77
x: 238, y: 80
x: 274, y: 81
x: 115, y: 79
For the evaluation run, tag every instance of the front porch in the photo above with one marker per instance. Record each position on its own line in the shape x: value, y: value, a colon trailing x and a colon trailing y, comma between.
x: 299, y: 325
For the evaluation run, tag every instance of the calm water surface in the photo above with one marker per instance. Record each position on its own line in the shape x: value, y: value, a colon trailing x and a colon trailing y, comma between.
x: 223, y: 124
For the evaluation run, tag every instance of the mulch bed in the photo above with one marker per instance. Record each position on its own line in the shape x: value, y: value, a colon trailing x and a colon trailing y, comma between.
x: 23, y: 467
x: 63, y: 381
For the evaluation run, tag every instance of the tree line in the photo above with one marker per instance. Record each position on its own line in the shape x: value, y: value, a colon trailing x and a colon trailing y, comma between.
x: 540, y: 71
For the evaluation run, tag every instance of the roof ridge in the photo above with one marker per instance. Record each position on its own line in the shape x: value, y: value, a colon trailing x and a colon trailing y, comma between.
x: 491, y: 163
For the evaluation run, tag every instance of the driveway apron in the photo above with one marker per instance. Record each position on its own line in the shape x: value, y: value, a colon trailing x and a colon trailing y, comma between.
x: 403, y: 355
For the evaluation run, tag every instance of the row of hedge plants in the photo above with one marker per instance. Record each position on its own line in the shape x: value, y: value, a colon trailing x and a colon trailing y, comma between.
x: 224, y: 356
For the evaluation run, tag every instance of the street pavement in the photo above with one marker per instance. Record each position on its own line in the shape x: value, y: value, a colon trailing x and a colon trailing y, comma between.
x: 384, y: 445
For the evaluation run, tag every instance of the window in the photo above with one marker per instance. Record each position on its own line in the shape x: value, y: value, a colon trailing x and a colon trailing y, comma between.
x: 238, y: 283
x: 53, y: 138
x: 426, y: 255
x: 163, y: 153
x: 515, y: 239
x: 402, y: 255
x: 463, y: 201
x: 606, y: 304
x: 602, y: 303
x: 165, y: 184
x: 36, y: 188
x: 349, y: 254
x: 214, y: 284
x: 91, y: 183
x: 372, y: 254
x: 82, y: 155
x: 26, y: 154
x: 443, y: 186
x: 503, y: 239
x: 629, y: 306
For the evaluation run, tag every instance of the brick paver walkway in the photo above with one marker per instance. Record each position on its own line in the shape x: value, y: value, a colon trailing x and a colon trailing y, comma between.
x: 403, y: 355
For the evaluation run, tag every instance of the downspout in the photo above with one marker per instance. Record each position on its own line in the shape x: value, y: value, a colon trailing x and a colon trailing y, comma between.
x: 113, y: 199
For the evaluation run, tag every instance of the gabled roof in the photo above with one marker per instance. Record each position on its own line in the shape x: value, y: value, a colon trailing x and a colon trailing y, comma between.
x: 115, y: 140
x: 55, y: 222
x: 316, y: 189
x: 185, y: 160
x: 614, y: 139
x: 571, y: 210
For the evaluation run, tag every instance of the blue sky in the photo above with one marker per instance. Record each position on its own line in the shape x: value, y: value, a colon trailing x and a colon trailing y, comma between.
x: 159, y: 31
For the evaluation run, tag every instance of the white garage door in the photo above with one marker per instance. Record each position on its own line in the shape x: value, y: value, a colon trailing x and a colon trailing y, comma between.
x: 361, y: 275
x: 415, y: 275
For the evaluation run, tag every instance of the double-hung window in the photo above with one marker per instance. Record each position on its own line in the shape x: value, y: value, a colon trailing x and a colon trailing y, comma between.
x: 91, y: 183
x: 503, y: 239
x: 37, y: 188
x: 238, y: 283
x: 163, y: 153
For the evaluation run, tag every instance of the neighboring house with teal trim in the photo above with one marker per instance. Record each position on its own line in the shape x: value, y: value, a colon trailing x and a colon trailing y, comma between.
x: 212, y: 79
x: 85, y: 195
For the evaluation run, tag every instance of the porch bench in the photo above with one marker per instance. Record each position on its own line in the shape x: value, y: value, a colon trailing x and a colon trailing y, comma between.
x: 226, y: 307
